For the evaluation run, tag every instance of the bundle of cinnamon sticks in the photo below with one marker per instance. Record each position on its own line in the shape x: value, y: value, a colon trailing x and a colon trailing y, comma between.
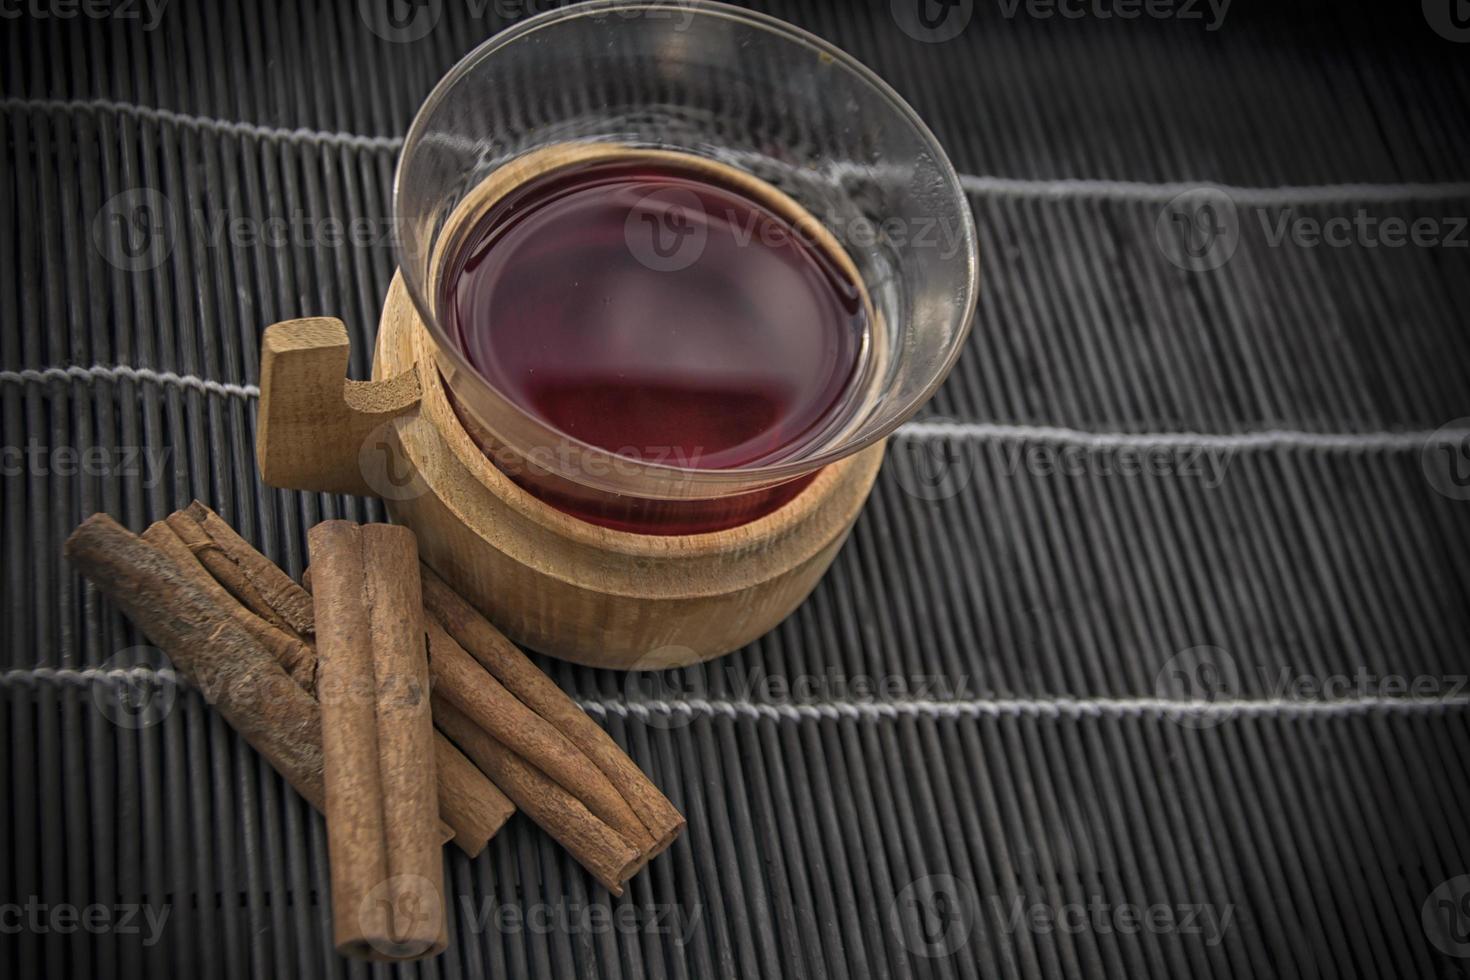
x: 367, y: 693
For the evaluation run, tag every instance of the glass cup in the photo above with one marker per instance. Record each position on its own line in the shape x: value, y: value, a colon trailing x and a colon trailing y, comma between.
x: 749, y: 94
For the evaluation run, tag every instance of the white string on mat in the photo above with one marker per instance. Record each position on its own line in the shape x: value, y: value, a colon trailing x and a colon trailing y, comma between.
x: 985, y: 186
x: 1265, y: 439
x: 1054, y: 707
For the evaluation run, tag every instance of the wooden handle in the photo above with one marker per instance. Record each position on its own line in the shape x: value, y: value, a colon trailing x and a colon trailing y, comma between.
x: 315, y: 425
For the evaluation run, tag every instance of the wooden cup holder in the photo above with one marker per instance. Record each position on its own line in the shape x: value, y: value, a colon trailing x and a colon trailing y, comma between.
x: 552, y: 582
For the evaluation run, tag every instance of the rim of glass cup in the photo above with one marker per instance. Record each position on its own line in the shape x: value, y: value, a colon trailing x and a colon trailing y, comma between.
x: 717, y: 482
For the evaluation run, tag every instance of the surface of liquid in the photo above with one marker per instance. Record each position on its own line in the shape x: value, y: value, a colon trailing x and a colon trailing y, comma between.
x: 647, y: 310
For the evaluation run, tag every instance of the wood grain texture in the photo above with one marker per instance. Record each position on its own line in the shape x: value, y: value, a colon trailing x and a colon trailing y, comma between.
x: 314, y: 422
x: 585, y: 593
x: 590, y: 594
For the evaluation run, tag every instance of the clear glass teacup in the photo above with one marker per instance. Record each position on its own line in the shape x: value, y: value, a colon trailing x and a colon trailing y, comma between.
x: 823, y: 141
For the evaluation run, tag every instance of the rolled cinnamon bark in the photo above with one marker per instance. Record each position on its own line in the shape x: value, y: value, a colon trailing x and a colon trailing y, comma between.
x: 294, y: 656
x: 596, y: 846
x: 209, y: 647
x: 251, y: 577
x: 522, y: 678
x: 475, y: 691
x: 377, y: 742
x: 469, y: 803
x: 473, y: 808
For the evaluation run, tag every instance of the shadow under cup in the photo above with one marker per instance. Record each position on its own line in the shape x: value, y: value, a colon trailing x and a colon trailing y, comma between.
x: 755, y: 106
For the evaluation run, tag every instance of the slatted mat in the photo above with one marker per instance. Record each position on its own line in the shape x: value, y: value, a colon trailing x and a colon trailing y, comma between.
x: 1146, y: 658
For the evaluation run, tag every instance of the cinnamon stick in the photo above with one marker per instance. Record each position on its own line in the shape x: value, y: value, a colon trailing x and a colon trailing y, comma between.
x: 522, y: 678
x: 209, y: 647
x: 377, y: 742
x: 251, y: 577
x: 475, y: 692
x: 469, y: 803
x: 474, y: 808
x: 596, y: 846
x: 290, y: 651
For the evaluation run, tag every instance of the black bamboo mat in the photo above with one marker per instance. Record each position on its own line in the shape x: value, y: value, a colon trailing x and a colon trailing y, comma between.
x: 1146, y: 659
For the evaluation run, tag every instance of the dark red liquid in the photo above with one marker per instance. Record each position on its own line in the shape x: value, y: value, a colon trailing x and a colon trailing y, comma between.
x: 645, y: 310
